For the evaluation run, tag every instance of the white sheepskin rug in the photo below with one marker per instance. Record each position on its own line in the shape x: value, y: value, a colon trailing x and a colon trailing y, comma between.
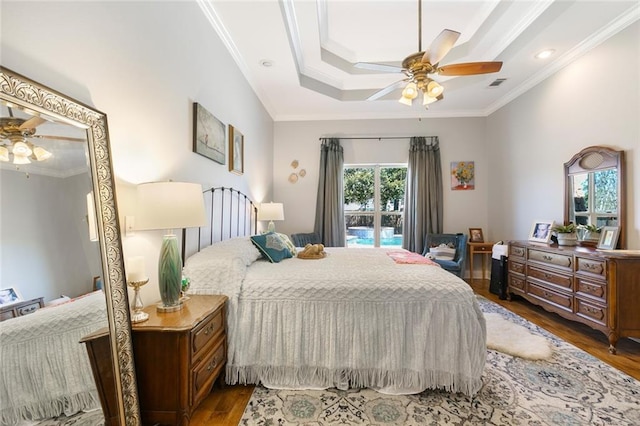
x: 513, y: 339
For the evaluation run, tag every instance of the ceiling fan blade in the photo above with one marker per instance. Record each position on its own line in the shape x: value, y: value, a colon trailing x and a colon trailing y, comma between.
x: 61, y: 138
x: 440, y: 46
x: 470, y: 68
x: 377, y: 67
x: 390, y: 88
x: 32, y: 123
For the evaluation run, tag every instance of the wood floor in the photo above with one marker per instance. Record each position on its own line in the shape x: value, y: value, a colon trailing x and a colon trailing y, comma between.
x: 224, y: 406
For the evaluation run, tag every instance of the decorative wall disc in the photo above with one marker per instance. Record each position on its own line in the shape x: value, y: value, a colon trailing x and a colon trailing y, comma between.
x: 293, y: 178
x: 302, y: 173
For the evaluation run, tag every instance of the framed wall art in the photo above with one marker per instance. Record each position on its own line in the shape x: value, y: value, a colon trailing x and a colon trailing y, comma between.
x: 208, y: 135
x: 236, y: 151
x: 541, y: 231
x: 463, y: 174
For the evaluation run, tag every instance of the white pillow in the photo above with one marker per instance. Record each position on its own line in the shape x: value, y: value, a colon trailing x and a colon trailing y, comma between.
x: 443, y: 252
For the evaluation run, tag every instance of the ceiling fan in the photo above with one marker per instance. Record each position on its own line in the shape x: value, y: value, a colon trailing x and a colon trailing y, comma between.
x: 420, y: 65
x: 14, y: 134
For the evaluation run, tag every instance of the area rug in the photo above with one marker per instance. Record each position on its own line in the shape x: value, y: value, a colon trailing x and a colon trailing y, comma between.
x: 571, y: 388
x: 514, y: 339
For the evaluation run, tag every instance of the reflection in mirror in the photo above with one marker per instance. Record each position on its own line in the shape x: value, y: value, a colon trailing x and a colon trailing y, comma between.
x: 53, y: 155
x: 594, y: 193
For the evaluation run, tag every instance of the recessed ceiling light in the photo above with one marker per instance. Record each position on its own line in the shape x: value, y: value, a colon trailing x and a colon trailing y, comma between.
x: 266, y: 63
x: 545, y: 54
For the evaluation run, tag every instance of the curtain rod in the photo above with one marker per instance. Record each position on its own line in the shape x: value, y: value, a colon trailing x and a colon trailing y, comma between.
x: 371, y: 137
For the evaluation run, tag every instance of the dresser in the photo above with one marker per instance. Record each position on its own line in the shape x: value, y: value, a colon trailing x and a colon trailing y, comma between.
x: 598, y: 288
x: 178, y: 357
x: 21, y: 308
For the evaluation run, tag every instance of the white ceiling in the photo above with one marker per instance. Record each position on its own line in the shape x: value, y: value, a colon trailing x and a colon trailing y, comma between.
x: 313, y: 44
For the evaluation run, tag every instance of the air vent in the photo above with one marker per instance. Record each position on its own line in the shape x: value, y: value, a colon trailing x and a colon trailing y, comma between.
x: 497, y: 82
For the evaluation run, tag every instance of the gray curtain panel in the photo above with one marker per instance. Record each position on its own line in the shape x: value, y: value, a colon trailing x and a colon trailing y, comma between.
x: 330, y: 203
x: 423, y: 195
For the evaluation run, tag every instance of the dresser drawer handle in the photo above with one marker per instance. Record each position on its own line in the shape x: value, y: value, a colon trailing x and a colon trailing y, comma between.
x: 590, y: 289
x: 28, y: 310
x: 545, y: 257
x: 212, y: 365
x: 547, y: 295
x: 591, y: 310
x: 548, y: 276
x: 208, y: 330
x: 592, y: 266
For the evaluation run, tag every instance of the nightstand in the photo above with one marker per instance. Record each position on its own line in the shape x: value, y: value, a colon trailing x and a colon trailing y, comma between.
x: 178, y: 356
x: 21, y: 308
x: 479, y: 248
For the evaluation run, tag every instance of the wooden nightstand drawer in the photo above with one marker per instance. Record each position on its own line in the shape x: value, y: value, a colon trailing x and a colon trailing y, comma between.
x: 21, y: 308
x: 550, y: 277
x: 207, y: 371
x: 28, y: 309
x: 552, y: 259
x: 206, y: 332
x: 515, y: 251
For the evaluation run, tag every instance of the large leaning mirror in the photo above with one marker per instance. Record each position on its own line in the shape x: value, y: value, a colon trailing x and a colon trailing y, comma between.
x: 62, y: 267
x: 595, y: 189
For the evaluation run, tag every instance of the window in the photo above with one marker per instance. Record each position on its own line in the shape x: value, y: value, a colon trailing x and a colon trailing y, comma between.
x: 374, y: 204
x: 595, y: 198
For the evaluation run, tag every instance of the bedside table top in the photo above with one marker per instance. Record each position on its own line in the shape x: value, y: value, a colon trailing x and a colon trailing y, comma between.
x: 488, y: 246
x: 195, y: 309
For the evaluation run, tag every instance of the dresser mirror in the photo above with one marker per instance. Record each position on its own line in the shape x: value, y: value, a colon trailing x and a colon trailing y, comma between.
x: 59, y: 195
x: 595, y: 189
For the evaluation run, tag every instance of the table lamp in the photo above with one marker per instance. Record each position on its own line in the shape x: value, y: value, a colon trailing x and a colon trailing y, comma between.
x: 271, y: 212
x: 169, y: 206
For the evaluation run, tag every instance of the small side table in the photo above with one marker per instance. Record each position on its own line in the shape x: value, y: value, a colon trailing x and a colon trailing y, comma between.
x: 479, y: 248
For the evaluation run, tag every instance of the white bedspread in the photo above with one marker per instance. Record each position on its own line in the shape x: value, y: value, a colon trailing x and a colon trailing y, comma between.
x: 44, y: 370
x: 354, y: 318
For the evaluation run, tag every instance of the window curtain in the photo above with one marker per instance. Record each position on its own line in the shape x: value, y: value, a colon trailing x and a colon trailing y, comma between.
x: 423, y: 195
x: 330, y: 202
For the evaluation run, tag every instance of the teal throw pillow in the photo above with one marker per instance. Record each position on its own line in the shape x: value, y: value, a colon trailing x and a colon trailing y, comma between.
x: 271, y: 246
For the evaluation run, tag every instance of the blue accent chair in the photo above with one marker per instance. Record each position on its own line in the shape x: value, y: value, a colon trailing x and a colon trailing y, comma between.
x: 455, y: 266
x: 304, y: 238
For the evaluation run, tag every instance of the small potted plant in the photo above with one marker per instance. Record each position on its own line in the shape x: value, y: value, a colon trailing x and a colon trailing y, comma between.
x: 589, y: 233
x: 566, y: 234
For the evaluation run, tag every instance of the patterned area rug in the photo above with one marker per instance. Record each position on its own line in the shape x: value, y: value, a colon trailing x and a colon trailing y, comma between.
x: 92, y: 418
x: 571, y: 388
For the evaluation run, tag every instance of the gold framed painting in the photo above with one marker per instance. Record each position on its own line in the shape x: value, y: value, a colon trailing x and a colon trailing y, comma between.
x: 208, y: 135
x: 475, y: 235
x: 236, y: 151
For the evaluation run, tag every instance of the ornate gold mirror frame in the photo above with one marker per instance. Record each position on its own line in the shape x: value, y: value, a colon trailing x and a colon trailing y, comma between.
x: 19, y: 91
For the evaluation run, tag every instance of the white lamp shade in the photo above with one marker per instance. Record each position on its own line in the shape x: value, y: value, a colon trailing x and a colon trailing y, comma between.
x: 271, y: 211
x: 170, y: 205
x: 41, y: 153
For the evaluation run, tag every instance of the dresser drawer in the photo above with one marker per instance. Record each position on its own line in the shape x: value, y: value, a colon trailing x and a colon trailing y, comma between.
x: 591, y: 289
x: 206, y: 372
x: 204, y: 334
x: 28, y: 309
x: 551, y: 259
x: 550, y: 277
x: 591, y: 311
x: 516, y: 267
x: 516, y: 251
x: 516, y: 284
x: 591, y: 267
x: 563, y: 301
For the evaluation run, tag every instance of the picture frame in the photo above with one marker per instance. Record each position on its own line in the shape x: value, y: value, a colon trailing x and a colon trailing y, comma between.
x: 9, y: 296
x: 609, y: 237
x: 475, y: 235
x: 208, y: 135
x: 463, y: 175
x: 97, y: 283
x: 236, y: 151
x: 541, y: 231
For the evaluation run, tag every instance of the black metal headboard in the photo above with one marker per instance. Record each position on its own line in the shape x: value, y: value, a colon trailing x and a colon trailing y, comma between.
x: 230, y: 213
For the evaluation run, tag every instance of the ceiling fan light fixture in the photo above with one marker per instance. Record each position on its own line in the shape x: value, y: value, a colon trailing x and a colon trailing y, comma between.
x: 41, y: 153
x: 4, y: 153
x: 409, y: 93
x: 21, y: 149
x: 426, y: 100
x: 20, y: 159
x: 405, y: 101
x: 434, y: 89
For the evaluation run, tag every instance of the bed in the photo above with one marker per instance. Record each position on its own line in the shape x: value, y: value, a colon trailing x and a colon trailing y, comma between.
x: 44, y: 370
x: 356, y: 318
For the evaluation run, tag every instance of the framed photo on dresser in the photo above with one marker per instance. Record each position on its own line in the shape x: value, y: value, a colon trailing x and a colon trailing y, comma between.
x: 9, y: 296
x: 541, y: 231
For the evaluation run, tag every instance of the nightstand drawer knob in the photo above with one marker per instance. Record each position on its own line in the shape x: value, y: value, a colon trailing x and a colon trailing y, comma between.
x: 208, y: 330
x: 213, y: 364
